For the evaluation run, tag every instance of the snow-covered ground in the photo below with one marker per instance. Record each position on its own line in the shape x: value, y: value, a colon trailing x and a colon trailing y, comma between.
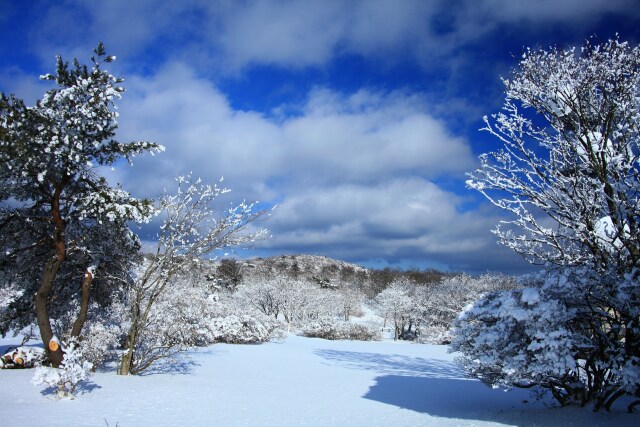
x: 296, y: 382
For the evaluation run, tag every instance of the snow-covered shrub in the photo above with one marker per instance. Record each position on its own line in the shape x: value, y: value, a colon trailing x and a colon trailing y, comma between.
x: 296, y: 301
x: 425, y: 312
x: 517, y: 337
x: 439, y: 304
x: 176, y: 321
x: 99, y: 341
x: 262, y: 295
x: 332, y: 329
x: 243, y: 329
x: 564, y: 334
x: 435, y: 334
x: 73, y: 370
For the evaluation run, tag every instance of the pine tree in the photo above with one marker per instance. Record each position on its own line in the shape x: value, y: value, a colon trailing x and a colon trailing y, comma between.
x: 61, y: 223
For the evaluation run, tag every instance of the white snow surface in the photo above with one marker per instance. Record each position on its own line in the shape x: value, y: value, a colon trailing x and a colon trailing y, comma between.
x: 296, y: 382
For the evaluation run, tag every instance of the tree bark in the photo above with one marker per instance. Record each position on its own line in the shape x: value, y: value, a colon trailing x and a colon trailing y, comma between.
x: 84, y: 305
x: 127, y: 358
x: 126, y: 363
x: 42, y: 309
x: 49, y: 276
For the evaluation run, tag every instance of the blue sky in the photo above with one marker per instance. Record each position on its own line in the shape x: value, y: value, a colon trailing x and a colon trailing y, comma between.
x: 358, y: 119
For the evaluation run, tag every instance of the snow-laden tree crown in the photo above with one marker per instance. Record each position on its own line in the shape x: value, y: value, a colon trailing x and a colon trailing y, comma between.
x: 568, y: 170
x: 568, y: 173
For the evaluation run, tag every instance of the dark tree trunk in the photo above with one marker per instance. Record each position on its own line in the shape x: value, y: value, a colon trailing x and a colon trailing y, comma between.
x: 84, y: 305
x: 49, y: 276
x: 42, y: 309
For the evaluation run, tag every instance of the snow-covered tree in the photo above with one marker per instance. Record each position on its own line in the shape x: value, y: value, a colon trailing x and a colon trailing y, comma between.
x: 61, y: 222
x: 262, y: 294
x: 439, y: 304
x: 192, y: 228
x: 569, y: 175
x: 229, y: 273
x: 575, y: 161
x: 350, y: 301
x: 395, y: 304
x: 296, y: 301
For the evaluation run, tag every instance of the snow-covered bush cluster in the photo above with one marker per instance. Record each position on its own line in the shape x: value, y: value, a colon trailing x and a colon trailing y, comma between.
x: 425, y: 313
x: 568, y: 174
x: 247, y: 328
x: 294, y: 301
x: 336, y: 329
x: 563, y: 333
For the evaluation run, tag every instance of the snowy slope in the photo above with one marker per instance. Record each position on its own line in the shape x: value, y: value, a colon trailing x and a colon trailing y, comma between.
x: 297, y: 382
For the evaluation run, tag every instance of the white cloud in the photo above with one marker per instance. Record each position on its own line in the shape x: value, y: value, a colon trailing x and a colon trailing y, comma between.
x: 291, y: 33
x: 352, y: 174
x: 400, y: 220
x: 362, y: 138
x: 229, y: 35
x: 313, y: 32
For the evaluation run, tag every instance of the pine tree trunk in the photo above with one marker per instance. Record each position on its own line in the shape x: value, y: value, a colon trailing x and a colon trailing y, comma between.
x: 84, y: 305
x: 49, y: 276
x: 42, y: 309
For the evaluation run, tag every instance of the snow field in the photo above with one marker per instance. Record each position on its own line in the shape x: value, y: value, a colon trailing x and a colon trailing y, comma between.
x: 296, y: 382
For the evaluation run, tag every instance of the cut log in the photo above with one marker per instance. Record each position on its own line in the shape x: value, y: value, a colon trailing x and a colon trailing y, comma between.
x: 54, y: 344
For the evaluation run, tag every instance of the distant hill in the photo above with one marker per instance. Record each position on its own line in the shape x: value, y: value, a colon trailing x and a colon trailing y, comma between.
x: 326, y: 272
x: 308, y: 267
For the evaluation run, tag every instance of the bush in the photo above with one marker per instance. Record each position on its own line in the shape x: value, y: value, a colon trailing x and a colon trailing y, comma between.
x: 68, y: 376
x: 331, y: 329
x: 99, y: 340
x: 564, y: 334
x: 242, y: 329
x: 435, y: 334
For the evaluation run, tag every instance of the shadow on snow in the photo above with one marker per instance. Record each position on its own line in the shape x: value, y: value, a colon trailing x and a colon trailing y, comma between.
x: 83, y: 387
x: 436, y: 387
x: 393, y: 364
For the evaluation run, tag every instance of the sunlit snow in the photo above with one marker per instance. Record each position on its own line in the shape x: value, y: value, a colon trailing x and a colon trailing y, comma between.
x: 295, y: 382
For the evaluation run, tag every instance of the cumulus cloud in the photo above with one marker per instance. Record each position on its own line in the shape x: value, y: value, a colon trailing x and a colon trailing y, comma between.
x: 365, y: 137
x: 311, y: 33
x: 355, y: 175
x: 231, y: 35
x: 403, y: 220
